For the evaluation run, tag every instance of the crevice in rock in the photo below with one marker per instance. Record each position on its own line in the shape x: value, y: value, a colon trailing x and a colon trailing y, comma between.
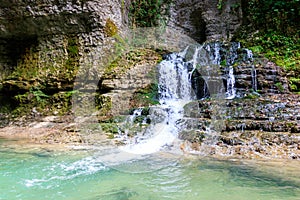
x: 17, y: 47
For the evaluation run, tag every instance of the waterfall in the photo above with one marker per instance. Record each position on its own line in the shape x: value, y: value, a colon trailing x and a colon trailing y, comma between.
x: 231, y: 90
x: 183, y: 77
x: 249, y: 55
x: 249, y: 58
x: 174, y: 92
x: 174, y: 82
x: 254, y: 78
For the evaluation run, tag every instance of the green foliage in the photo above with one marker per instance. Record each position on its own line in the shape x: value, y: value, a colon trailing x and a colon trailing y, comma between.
x: 253, y: 95
x: 276, y: 26
x: 110, y: 128
x: 220, y: 5
x: 294, y: 84
x: 38, y: 94
x: 235, y: 5
x: 281, y: 49
x: 147, y: 96
x: 34, y: 96
x: 256, y: 49
x: 279, y: 86
x: 280, y: 15
x: 58, y: 103
x: 223, y: 62
x: 278, y: 47
x: 148, y: 13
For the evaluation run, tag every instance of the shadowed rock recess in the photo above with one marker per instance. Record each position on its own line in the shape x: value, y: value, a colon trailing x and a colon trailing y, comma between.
x: 46, y: 45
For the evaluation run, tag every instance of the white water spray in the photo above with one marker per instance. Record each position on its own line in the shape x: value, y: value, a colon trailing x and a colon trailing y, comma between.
x: 174, y: 92
x: 231, y: 90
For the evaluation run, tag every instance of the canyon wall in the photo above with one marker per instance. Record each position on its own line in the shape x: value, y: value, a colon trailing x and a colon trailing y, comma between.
x: 46, y: 45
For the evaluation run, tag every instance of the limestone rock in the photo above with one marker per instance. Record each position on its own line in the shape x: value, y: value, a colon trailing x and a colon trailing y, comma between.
x: 206, y: 20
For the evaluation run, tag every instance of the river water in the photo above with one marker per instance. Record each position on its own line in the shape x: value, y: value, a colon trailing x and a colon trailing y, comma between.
x: 41, y: 173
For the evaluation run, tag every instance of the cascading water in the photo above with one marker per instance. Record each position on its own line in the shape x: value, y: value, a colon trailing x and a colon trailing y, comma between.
x: 174, y: 92
x: 231, y: 90
x: 254, y: 78
x: 248, y: 58
x: 230, y: 59
x: 176, y: 76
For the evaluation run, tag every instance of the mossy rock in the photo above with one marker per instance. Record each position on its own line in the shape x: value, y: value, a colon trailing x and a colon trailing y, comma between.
x: 192, y: 136
x: 121, y: 64
x: 110, y: 128
x: 110, y: 28
x: 146, y: 96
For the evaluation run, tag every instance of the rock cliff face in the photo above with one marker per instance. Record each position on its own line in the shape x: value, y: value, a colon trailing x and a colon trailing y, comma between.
x: 46, y: 44
x: 206, y: 20
x: 251, y: 74
x: 45, y: 26
x: 265, y: 126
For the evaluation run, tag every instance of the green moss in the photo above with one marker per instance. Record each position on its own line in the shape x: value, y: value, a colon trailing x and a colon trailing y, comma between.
x: 40, y: 69
x: 103, y: 104
x: 110, y: 28
x: 279, y: 86
x: 146, y: 96
x: 27, y: 67
x: 110, y: 128
x: 126, y: 61
x: 60, y: 103
x: 71, y: 65
x: 223, y: 63
x: 42, y: 77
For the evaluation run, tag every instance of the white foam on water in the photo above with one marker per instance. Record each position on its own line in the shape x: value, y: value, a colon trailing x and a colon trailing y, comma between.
x: 66, y: 171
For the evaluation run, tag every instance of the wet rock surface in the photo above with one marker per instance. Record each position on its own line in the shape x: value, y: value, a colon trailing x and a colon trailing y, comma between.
x: 251, y: 73
x: 57, y: 130
x: 268, y: 126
